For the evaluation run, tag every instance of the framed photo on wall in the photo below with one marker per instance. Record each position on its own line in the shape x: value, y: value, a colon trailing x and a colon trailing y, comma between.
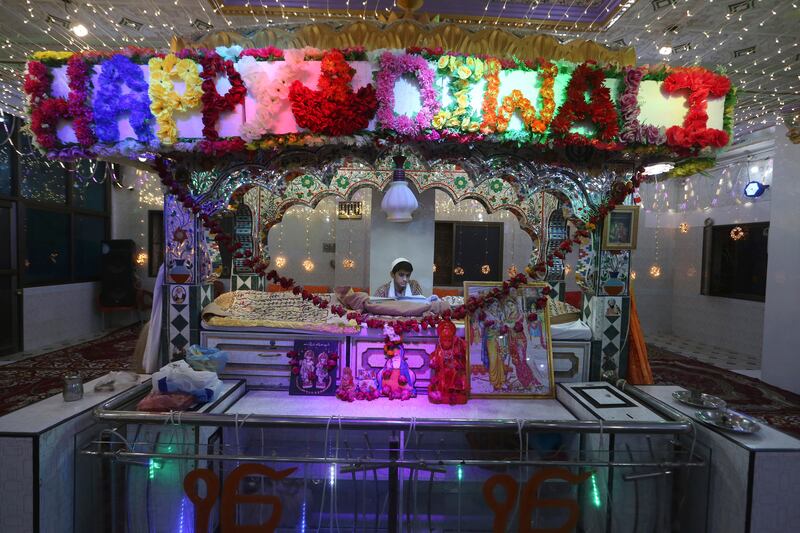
x: 620, y: 228
x: 502, y: 361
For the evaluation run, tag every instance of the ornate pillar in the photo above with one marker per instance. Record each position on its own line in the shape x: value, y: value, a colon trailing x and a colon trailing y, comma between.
x: 186, y: 287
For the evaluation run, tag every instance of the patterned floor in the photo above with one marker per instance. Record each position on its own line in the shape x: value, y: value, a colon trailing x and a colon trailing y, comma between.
x: 776, y: 407
x: 35, y: 377
x: 713, y: 355
x: 27, y: 354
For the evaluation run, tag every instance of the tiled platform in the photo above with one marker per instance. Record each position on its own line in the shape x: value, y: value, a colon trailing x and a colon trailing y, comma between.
x: 713, y: 355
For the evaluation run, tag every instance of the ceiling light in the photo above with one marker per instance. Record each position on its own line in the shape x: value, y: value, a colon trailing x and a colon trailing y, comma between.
x: 79, y: 30
x: 665, y: 50
x: 658, y: 168
x: 399, y: 202
x: 754, y: 189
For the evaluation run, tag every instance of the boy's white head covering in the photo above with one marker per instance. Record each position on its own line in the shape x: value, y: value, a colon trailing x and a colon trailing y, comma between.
x: 400, y: 260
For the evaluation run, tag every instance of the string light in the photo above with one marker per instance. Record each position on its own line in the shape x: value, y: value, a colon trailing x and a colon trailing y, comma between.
x: 684, y: 227
x: 737, y: 233
x: 308, y: 265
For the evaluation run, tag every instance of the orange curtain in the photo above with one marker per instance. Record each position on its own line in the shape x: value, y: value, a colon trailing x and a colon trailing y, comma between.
x: 639, y: 372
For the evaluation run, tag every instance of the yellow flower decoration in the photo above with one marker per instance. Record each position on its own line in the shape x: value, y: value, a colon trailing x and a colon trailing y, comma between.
x: 164, y: 101
x: 52, y: 56
x: 463, y: 72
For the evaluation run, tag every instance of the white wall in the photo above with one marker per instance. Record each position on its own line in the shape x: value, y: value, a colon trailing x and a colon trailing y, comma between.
x: 780, y: 364
x: 672, y: 303
x: 59, y: 313
x: 129, y: 212
x: 412, y: 240
x: 56, y: 314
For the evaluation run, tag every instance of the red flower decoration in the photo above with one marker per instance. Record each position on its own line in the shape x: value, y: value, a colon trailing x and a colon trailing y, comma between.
x: 213, y: 102
x: 333, y: 109
x: 701, y: 84
x: 599, y: 110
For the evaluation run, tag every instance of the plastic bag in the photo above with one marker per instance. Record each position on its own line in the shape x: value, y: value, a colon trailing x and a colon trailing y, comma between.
x: 211, y: 359
x: 180, y: 377
x: 177, y: 401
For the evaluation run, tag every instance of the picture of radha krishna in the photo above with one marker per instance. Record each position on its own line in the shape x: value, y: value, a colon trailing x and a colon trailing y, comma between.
x: 508, y: 344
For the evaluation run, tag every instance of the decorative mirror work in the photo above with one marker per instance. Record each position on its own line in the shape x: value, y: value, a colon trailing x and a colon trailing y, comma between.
x: 180, y: 254
x: 614, y: 271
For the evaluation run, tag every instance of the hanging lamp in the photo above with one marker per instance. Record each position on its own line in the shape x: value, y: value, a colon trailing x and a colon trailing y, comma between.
x: 399, y: 201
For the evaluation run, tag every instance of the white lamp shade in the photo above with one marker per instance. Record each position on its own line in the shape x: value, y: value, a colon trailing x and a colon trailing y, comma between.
x: 399, y: 202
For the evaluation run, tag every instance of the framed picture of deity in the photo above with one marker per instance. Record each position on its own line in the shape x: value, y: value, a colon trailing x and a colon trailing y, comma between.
x: 621, y: 227
x: 313, y: 368
x: 509, y: 351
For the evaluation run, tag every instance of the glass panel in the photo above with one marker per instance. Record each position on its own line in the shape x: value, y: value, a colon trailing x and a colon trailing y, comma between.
x: 87, y: 192
x: 5, y: 165
x: 47, y: 246
x: 89, y: 233
x: 40, y: 179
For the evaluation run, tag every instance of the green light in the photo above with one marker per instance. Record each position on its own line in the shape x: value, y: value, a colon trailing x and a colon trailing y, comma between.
x: 595, y: 492
x: 460, y: 472
x: 155, y: 464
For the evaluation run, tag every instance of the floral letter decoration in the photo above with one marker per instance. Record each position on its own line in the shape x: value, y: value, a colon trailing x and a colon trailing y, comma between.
x: 213, y: 102
x: 392, y: 67
x: 47, y: 111
x: 498, y: 120
x: 599, y: 110
x: 109, y: 101
x: 164, y: 101
x: 632, y: 130
x: 271, y: 93
x: 701, y: 84
x: 462, y: 73
x: 333, y: 109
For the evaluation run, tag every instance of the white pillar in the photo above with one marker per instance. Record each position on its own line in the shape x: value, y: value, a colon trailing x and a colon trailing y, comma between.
x: 780, y: 360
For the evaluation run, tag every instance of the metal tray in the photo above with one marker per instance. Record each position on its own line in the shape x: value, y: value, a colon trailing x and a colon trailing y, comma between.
x: 729, y: 420
x: 704, y: 401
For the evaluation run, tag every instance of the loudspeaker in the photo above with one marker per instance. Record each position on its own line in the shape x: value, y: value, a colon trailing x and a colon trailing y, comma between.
x: 117, y: 273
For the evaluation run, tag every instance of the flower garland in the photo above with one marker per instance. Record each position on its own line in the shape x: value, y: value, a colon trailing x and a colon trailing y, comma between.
x: 701, y: 84
x: 213, y: 102
x: 164, y: 101
x: 474, y: 303
x: 333, y: 109
x: 392, y: 68
x: 109, y: 102
x: 600, y: 110
x: 632, y: 130
x: 80, y: 80
x: 463, y: 72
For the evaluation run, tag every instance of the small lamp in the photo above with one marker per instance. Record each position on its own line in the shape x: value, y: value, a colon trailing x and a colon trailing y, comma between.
x: 399, y: 201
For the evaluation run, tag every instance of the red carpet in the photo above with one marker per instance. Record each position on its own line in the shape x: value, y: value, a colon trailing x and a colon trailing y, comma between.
x: 777, y: 407
x: 36, y: 378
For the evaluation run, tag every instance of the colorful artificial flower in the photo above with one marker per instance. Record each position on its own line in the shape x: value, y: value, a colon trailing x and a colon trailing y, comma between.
x: 334, y: 108
x: 110, y: 103
x: 213, y: 102
x: 599, y: 110
x: 392, y: 68
x: 632, y: 130
x: 701, y: 84
x: 164, y: 101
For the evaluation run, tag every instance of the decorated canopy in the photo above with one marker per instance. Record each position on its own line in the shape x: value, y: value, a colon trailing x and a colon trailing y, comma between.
x: 234, y: 100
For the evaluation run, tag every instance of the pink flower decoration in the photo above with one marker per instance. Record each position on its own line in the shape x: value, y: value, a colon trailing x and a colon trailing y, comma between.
x: 392, y: 68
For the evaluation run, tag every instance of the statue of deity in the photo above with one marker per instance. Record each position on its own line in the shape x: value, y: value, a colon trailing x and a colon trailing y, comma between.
x: 448, y: 362
x: 396, y: 380
x: 347, y: 386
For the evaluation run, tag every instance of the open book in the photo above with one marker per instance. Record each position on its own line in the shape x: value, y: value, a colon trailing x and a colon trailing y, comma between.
x: 415, y: 298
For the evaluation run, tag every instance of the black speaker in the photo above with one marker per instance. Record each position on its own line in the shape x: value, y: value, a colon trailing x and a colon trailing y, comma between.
x: 118, y: 286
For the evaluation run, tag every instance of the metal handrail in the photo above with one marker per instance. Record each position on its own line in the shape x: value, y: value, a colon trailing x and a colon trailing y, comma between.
x: 405, y: 463
x: 675, y: 423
